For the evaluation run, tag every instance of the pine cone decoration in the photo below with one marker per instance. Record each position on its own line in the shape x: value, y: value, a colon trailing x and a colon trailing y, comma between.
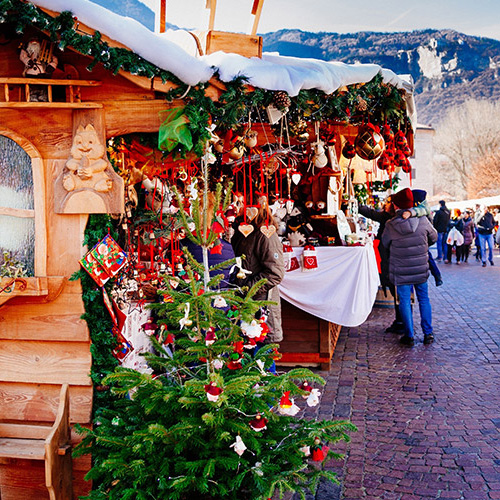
x: 362, y: 104
x: 281, y: 100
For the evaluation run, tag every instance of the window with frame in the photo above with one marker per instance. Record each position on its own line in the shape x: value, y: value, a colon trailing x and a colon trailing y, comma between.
x: 17, y: 210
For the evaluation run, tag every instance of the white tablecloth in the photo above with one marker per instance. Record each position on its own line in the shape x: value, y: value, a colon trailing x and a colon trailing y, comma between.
x: 343, y: 288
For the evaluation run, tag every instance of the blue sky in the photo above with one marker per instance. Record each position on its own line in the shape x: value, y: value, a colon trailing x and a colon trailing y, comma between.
x: 476, y: 17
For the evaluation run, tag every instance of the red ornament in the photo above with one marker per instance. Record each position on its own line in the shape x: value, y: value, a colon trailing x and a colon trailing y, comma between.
x: 387, y: 133
x: 406, y: 166
x: 305, y: 386
x: 285, y: 400
x: 384, y: 162
x: 399, y: 159
x: 348, y: 150
x: 400, y: 140
x: 259, y: 423
x: 213, y: 392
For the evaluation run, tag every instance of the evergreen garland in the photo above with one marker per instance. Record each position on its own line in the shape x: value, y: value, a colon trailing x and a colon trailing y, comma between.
x: 97, y: 316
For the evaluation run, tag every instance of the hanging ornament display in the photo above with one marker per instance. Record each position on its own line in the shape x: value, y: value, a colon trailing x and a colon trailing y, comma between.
x: 369, y: 143
x: 267, y: 230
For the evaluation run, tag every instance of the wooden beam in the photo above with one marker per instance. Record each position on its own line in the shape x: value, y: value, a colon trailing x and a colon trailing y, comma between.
x: 52, y: 105
x: 17, y: 212
x: 49, y: 81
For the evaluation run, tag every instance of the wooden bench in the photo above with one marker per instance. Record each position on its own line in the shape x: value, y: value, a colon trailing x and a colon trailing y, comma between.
x: 41, y: 441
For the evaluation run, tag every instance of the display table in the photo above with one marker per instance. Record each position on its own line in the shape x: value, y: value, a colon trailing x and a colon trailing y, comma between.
x: 315, y: 304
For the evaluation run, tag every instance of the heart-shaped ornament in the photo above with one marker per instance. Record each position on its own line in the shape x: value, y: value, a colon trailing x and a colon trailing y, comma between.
x: 281, y: 213
x: 245, y: 229
x: 252, y: 212
x: 296, y: 178
x: 268, y: 230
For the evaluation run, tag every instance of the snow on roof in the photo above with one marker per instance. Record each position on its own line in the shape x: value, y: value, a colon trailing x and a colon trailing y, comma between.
x: 272, y: 72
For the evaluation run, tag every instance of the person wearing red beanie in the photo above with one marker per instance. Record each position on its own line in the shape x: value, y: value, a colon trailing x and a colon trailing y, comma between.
x: 403, y: 199
x: 408, y: 241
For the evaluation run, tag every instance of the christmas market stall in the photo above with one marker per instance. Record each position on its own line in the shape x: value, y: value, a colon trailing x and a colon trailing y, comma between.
x: 117, y: 145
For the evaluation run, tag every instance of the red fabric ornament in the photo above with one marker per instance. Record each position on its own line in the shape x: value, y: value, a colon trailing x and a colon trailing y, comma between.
x: 305, y: 386
x: 406, y: 166
x: 213, y: 392
x: 319, y: 453
x: 387, y: 133
x: 259, y: 423
x: 400, y: 140
x: 285, y: 400
x: 170, y: 339
x: 383, y: 163
x: 216, y: 249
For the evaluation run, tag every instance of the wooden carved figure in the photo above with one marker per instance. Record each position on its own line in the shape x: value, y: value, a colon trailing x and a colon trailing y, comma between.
x: 87, y: 166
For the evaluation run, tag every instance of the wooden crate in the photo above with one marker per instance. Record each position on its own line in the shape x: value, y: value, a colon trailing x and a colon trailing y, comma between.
x: 234, y: 43
x: 307, y: 340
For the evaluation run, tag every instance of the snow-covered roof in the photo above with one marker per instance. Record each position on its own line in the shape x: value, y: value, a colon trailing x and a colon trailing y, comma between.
x: 272, y: 72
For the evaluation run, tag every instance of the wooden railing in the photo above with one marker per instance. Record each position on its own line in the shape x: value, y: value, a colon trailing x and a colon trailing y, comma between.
x: 22, y: 85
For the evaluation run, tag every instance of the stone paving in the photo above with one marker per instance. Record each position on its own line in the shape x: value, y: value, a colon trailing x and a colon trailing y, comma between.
x: 428, y: 417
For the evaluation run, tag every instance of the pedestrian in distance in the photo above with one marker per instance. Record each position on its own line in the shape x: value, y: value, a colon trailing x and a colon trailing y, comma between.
x: 485, y: 233
x: 469, y: 229
x: 455, y: 237
x: 440, y: 222
x: 408, y: 241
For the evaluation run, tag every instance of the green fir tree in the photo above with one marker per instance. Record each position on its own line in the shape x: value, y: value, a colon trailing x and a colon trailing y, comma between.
x: 212, y: 421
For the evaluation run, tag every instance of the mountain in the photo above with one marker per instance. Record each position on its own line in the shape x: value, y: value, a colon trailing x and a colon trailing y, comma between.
x: 447, y: 67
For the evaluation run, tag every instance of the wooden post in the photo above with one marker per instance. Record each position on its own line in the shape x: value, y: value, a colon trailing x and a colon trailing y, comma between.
x: 212, y: 5
x: 163, y: 15
x: 256, y: 11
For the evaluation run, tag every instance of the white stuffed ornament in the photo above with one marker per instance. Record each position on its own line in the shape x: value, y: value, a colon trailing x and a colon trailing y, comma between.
x: 313, y: 398
x: 238, y: 446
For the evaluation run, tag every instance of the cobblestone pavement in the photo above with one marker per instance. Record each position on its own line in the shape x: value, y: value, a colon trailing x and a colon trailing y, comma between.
x: 428, y: 417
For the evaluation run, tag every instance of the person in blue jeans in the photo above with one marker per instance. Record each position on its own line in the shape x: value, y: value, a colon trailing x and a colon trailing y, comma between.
x: 485, y: 228
x: 408, y: 241
x: 440, y: 222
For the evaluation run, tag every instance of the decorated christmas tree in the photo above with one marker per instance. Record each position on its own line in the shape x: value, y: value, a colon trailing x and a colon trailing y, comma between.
x: 214, y: 420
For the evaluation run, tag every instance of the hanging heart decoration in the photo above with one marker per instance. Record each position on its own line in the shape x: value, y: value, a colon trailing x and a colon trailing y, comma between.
x: 245, y: 229
x: 252, y: 212
x: 281, y: 213
x: 296, y: 176
x: 267, y: 231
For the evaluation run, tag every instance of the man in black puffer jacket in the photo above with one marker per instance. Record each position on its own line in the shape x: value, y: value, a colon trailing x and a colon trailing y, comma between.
x: 408, y: 242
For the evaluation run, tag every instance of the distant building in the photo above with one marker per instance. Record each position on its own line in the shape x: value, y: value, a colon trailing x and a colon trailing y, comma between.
x: 422, y: 173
